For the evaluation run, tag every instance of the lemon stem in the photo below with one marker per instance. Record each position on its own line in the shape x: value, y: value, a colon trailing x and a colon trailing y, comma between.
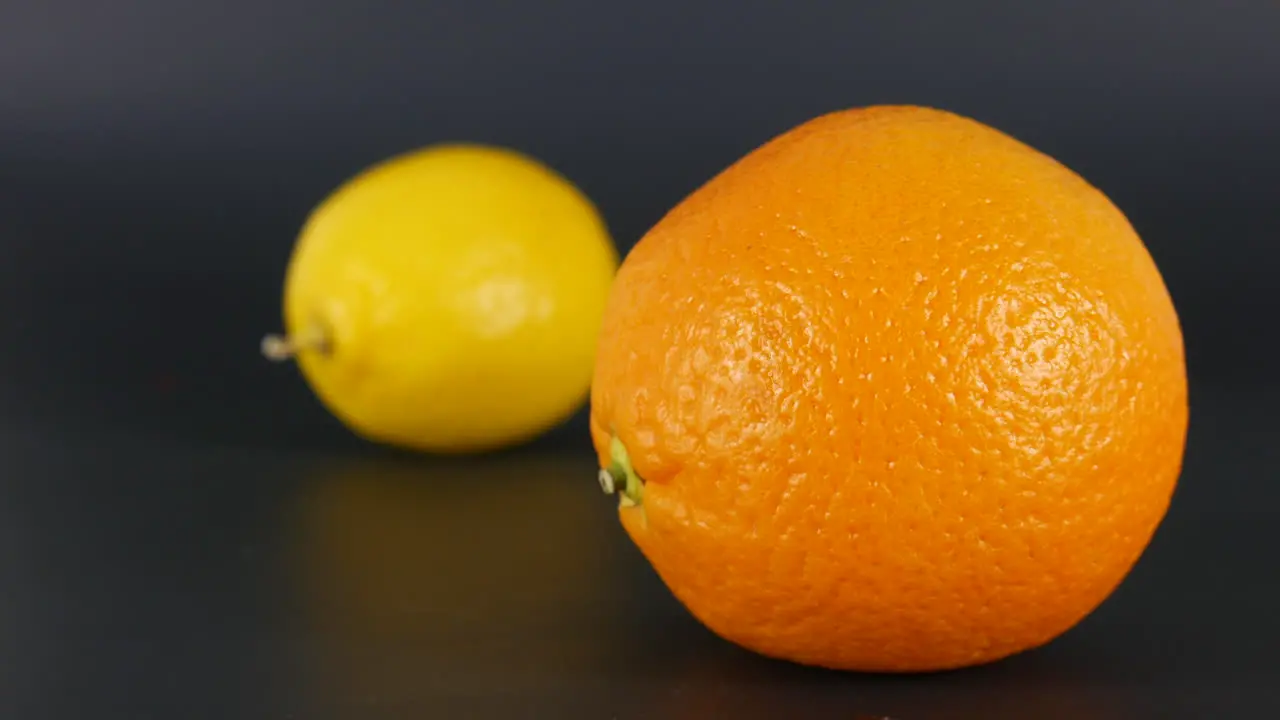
x: 620, y: 477
x: 278, y: 348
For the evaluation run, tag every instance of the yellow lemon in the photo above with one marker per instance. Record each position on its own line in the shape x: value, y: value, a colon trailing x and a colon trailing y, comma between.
x: 448, y: 299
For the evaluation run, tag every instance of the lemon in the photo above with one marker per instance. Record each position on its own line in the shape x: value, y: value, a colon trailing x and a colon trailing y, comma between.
x: 448, y: 299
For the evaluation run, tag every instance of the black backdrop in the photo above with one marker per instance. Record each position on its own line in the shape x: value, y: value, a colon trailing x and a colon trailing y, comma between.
x: 147, y: 137
x: 156, y: 159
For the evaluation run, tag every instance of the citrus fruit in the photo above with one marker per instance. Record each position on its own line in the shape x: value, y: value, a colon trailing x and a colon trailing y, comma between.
x: 449, y: 299
x: 893, y: 392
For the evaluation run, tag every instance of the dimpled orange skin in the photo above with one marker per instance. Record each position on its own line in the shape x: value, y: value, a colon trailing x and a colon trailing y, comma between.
x: 906, y: 394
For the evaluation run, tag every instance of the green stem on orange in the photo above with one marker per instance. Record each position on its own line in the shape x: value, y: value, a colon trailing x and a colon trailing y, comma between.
x: 621, y: 477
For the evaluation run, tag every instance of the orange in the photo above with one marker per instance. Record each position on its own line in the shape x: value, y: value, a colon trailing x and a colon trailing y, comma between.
x: 893, y: 392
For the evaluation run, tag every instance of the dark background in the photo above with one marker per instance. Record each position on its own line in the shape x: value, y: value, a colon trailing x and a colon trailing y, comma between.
x: 185, y: 533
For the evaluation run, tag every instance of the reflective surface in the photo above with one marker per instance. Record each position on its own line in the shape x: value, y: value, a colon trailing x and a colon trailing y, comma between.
x: 164, y: 564
x: 185, y: 534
